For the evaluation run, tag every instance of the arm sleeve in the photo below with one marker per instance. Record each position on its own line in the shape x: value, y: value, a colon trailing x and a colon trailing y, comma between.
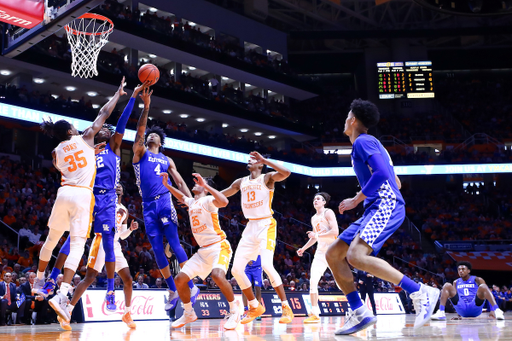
x: 379, y: 175
x: 121, y: 124
x: 125, y: 233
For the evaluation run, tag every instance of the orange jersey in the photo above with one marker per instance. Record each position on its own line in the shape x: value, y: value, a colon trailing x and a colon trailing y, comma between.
x: 321, y: 225
x: 204, y: 220
x: 256, y: 198
x: 76, y: 161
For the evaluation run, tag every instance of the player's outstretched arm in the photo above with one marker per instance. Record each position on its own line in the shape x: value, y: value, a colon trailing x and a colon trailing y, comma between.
x: 220, y: 199
x: 232, y: 189
x: 103, y: 115
x: 117, y: 138
x: 175, y: 192
x: 139, y: 147
x: 281, y: 172
x: 178, y: 180
x: 312, y: 240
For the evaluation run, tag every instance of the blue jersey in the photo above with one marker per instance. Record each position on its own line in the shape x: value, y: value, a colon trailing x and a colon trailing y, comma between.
x: 467, y: 289
x: 148, y: 171
x: 108, y: 169
x: 255, y: 264
x: 365, y: 146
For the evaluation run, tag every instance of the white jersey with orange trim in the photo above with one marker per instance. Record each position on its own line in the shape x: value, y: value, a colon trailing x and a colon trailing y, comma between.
x: 121, y: 215
x: 256, y: 198
x: 76, y: 161
x: 321, y: 225
x: 204, y: 220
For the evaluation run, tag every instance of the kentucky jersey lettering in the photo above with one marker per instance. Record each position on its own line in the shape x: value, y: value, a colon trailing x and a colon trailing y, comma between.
x: 467, y: 289
x: 149, y: 168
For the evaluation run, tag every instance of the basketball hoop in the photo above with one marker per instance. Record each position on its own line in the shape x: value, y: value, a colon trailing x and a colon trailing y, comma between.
x: 87, y: 34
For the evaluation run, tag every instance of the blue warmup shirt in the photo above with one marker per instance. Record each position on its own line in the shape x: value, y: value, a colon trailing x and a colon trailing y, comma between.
x: 384, y: 183
x: 148, y: 171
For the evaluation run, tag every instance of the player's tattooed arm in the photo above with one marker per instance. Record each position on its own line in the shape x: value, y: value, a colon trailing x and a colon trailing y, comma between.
x: 233, y: 189
x: 178, y: 179
x: 139, y: 147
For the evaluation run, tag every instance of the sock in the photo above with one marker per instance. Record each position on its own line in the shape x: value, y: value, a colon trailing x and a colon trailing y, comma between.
x: 316, y: 310
x: 441, y: 307
x: 191, y: 284
x: 34, y: 315
x: 253, y: 303
x: 494, y: 307
x: 285, y: 303
x: 54, y: 274
x: 110, y: 284
x: 354, y: 301
x: 233, y: 306
x: 246, y: 308
x: 70, y: 308
x: 170, y: 283
x: 409, y: 285
x: 127, y: 310
x: 64, y: 288
x: 40, y: 275
x: 187, y: 306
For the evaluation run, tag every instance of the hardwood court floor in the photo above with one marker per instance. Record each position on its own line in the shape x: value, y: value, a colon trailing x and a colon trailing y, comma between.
x: 397, y: 327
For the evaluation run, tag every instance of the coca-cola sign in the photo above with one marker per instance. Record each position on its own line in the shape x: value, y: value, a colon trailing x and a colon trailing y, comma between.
x: 146, y: 304
x: 386, y: 303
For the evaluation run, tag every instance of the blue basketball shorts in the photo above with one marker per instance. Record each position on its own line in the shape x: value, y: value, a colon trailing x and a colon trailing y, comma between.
x: 468, y: 309
x: 255, y: 276
x: 159, y: 214
x: 105, y: 212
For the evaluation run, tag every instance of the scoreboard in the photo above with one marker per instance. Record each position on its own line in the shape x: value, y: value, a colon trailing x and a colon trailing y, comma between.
x: 405, y: 80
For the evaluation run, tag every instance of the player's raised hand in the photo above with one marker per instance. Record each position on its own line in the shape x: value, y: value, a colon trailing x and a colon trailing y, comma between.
x: 300, y: 252
x: 165, y: 178
x: 257, y: 157
x: 139, y: 88
x: 146, y: 97
x: 99, y: 147
x: 134, y: 225
x: 121, y: 88
x: 347, y: 205
x: 198, y: 179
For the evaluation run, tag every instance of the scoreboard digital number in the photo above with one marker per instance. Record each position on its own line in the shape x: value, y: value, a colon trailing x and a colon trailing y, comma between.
x: 405, y: 80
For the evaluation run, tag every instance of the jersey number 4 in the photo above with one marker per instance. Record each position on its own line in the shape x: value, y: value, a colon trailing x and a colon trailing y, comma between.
x: 75, y: 161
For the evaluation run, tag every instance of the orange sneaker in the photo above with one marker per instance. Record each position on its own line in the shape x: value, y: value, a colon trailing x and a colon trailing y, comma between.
x: 64, y: 324
x: 127, y: 318
x: 252, y: 313
x: 287, y: 316
x: 312, y: 319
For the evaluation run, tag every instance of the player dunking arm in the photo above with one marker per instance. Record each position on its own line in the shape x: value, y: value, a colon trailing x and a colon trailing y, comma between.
x: 107, y: 177
x: 384, y: 213
x: 214, y: 253
x: 259, y: 236
x: 325, y: 231
x: 468, y: 294
x: 75, y: 158
x: 160, y: 215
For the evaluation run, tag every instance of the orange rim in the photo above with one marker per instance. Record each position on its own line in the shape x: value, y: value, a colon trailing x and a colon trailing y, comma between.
x: 91, y: 16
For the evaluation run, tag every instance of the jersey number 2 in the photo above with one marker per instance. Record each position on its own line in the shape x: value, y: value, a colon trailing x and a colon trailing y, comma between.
x: 76, y: 161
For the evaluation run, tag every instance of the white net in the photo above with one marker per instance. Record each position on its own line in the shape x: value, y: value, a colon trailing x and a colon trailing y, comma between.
x: 86, y: 36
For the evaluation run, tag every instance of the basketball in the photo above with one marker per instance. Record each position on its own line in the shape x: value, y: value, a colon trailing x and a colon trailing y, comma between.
x: 149, y: 72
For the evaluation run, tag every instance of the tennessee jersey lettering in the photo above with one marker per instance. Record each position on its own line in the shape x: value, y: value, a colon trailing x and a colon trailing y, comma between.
x: 256, y: 198
x: 204, y: 220
x: 76, y: 162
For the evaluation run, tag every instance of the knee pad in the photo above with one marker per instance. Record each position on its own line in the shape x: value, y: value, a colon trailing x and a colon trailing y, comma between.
x: 76, y: 251
x: 108, y: 246
x: 49, y: 245
x: 65, y: 248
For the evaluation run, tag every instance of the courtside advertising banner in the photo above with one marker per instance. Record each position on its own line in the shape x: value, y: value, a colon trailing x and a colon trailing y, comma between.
x: 387, y: 303
x: 147, y: 304
x: 22, y: 13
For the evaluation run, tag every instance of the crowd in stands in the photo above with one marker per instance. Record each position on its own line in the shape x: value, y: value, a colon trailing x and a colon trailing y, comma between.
x: 183, y: 31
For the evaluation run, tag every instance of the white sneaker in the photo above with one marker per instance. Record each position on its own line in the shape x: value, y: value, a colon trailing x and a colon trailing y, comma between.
x: 59, y: 304
x: 439, y: 316
x: 234, y: 319
x: 424, y: 302
x: 499, y: 314
x: 187, y: 317
x: 172, y: 300
x: 357, y: 320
